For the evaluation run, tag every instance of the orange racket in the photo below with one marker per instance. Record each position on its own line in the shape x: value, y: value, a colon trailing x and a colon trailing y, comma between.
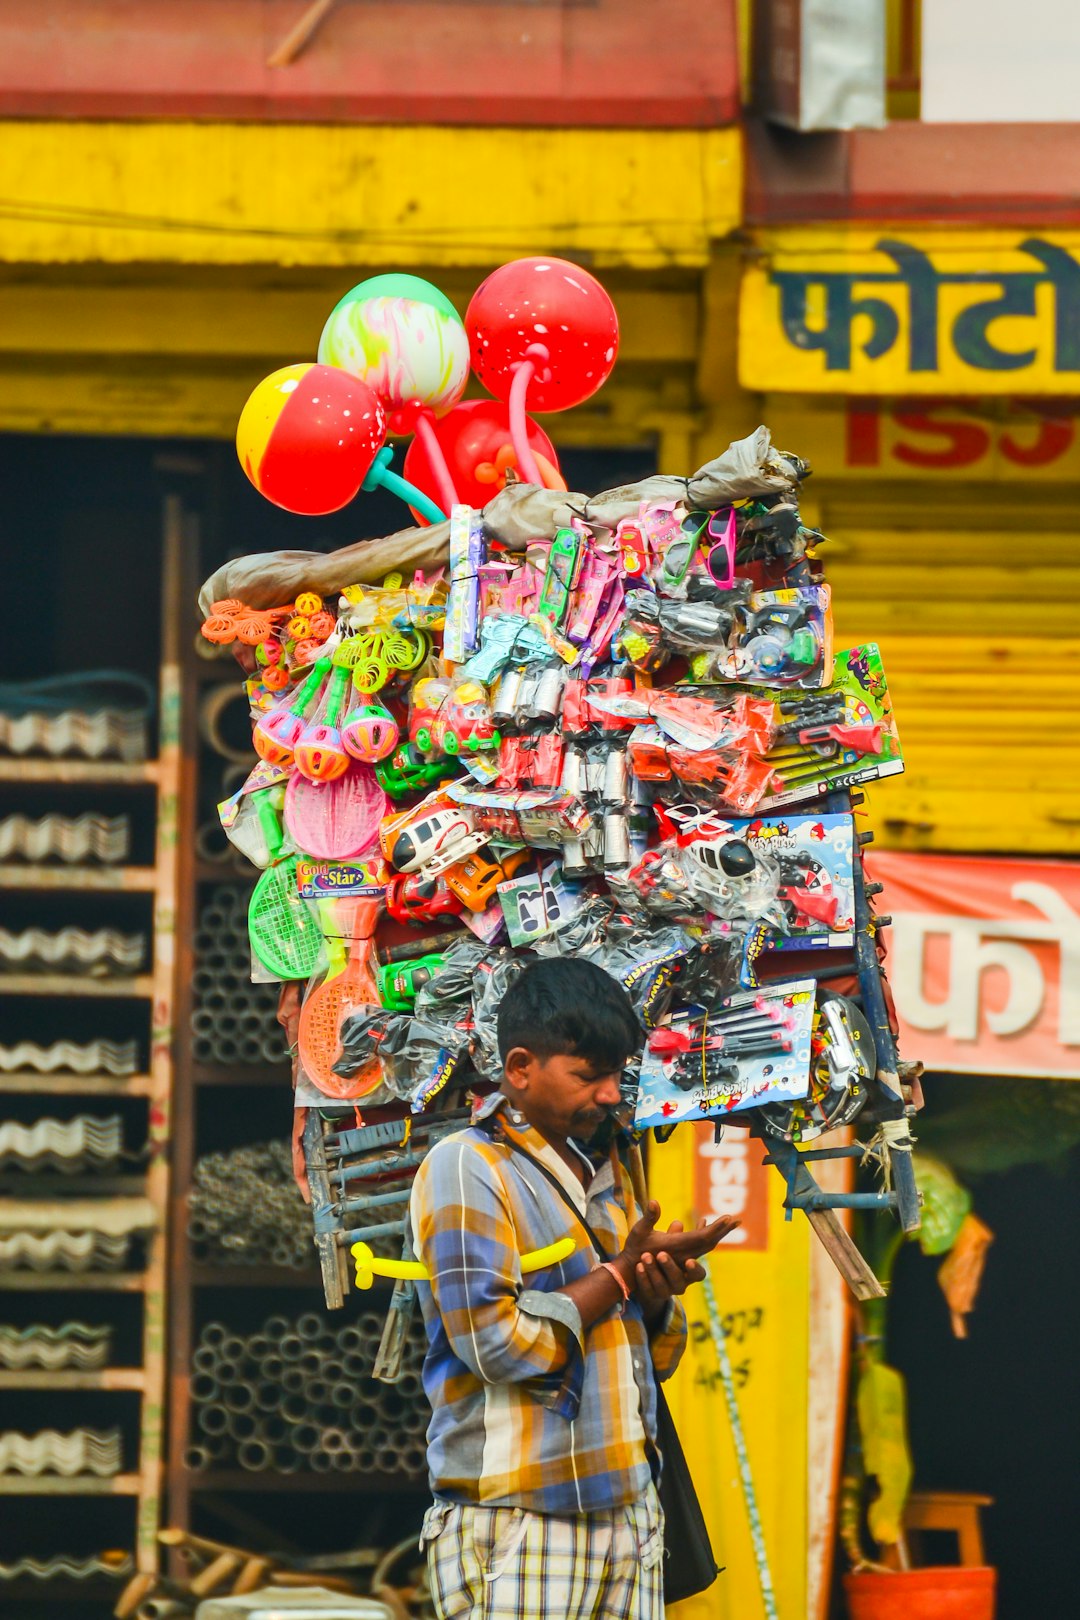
x: 347, y: 985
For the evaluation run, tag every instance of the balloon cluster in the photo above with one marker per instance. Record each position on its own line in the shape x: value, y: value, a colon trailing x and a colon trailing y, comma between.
x: 394, y: 357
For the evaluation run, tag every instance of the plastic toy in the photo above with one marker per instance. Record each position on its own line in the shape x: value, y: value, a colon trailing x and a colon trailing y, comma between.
x: 417, y: 899
x: 475, y: 879
x: 334, y: 820
x: 400, y: 982
x: 430, y: 837
x: 370, y: 733
x: 406, y: 771
x: 451, y: 717
x: 319, y: 753
x: 376, y: 656
x: 543, y: 331
x: 561, y: 576
x: 308, y: 436
x: 347, y: 985
x: 276, y: 734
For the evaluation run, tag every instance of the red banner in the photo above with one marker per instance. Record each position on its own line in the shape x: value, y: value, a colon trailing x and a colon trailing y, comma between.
x: 984, y: 961
x: 730, y: 1179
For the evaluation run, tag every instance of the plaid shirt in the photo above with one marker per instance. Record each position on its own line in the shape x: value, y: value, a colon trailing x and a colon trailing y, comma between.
x: 529, y: 1410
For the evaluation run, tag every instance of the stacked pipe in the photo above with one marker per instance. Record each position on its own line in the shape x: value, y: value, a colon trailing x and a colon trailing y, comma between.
x: 298, y: 1396
x: 233, y: 1021
x: 245, y: 1209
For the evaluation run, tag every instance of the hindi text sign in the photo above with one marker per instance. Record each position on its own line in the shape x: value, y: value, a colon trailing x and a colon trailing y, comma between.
x: 888, y: 311
x: 984, y: 962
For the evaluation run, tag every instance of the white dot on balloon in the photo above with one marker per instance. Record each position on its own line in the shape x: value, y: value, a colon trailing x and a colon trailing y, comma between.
x: 540, y: 267
x: 287, y: 387
x: 346, y: 413
x: 538, y: 328
x: 609, y: 354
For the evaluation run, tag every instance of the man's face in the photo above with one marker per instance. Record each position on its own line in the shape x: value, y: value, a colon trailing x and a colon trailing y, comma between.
x: 561, y: 1095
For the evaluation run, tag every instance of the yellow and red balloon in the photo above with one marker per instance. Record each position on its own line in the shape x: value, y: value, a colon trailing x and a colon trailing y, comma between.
x: 308, y: 436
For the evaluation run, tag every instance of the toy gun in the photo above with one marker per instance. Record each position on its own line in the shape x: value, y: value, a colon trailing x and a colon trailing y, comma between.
x: 827, y: 740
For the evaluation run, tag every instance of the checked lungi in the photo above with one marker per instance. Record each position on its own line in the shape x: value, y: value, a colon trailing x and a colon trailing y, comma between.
x: 506, y: 1563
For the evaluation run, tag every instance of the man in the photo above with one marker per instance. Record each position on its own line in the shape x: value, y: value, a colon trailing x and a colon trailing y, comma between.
x: 541, y: 1447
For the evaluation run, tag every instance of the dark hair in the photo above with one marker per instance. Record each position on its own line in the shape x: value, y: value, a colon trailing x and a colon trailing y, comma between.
x: 567, y: 1004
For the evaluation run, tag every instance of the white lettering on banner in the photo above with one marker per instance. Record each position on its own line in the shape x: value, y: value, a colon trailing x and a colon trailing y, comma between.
x: 727, y: 1178
x: 978, y: 943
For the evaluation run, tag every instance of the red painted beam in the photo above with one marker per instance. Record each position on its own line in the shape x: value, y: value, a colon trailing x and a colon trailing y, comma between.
x: 1008, y: 174
x: 538, y: 62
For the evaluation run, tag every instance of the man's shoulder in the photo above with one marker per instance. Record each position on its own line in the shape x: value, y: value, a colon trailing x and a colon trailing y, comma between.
x: 459, y: 1150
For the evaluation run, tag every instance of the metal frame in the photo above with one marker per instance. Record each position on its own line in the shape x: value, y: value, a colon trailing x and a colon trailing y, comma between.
x: 158, y: 987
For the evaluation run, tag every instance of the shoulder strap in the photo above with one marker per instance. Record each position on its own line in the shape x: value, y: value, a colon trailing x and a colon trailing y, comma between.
x: 563, y: 1194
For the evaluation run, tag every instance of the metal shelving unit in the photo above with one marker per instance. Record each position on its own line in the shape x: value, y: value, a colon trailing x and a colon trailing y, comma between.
x: 142, y: 1483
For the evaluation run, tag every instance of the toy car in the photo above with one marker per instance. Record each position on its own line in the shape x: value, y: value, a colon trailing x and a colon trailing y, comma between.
x: 451, y: 718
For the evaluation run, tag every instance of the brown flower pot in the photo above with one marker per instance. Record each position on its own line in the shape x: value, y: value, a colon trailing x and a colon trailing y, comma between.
x: 953, y: 1592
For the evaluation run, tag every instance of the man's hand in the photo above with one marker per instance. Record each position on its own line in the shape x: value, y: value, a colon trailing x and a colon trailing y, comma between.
x: 659, y: 1265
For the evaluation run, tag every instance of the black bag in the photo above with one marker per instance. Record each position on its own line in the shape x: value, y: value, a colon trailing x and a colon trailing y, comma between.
x: 693, y: 1569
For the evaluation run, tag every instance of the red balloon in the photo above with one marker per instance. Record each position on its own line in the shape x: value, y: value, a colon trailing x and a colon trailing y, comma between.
x: 307, y: 437
x: 475, y: 439
x: 555, y: 306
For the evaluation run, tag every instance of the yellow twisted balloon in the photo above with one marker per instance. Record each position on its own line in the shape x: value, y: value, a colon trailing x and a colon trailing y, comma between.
x: 369, y: 1266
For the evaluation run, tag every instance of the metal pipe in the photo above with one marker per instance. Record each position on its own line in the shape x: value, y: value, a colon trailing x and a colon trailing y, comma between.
x: 305, y: 1437
x: 242, y: 1425
x: 255, y: 1455
x: 238, y: 1397
x: 213, y: 1420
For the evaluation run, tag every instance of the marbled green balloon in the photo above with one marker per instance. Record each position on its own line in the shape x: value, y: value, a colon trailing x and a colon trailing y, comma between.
x: 404, y: 338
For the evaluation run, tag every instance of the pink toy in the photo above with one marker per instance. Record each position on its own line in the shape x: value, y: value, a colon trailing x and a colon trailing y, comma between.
x: 319, y: 754
x: 275, y: 736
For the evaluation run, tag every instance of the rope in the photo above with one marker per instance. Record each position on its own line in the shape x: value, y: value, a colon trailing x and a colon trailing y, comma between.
x: 742, y: 1455
x: 892, y: 1136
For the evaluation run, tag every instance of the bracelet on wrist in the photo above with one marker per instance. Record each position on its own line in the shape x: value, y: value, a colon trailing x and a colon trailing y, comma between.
x: 612, y: 1268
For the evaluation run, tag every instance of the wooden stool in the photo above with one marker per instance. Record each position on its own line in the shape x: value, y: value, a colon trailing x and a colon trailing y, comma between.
x: 950, y: 1510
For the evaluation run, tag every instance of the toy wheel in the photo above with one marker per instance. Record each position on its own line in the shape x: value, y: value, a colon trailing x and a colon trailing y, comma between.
x: 451, y: 745
x: 423, y: 739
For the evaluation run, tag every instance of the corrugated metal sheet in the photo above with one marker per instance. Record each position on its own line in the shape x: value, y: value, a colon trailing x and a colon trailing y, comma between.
x: 90, y: 1057
x: 85, y: 1142
x: 72, y: 838
x: 108, y: 734
x: 74, y: 949
x: 74, y: 1346
x: 82, y: 1451
x: 62, y: 1251
x: 65, y: 1567
x: 975, y: 601
x: 117, y: 1216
